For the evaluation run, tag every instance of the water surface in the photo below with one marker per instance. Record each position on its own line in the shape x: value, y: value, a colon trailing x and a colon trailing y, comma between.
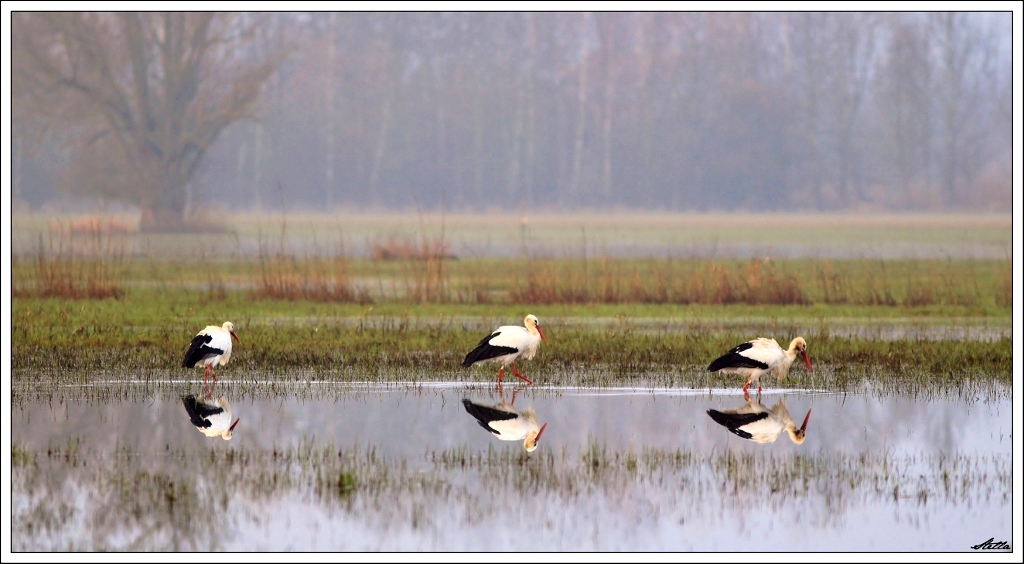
x: 397, y: 468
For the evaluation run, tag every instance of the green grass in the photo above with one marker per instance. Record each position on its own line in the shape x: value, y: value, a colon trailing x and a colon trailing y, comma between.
x: 63, y: 341
x: 613, y: 320
x: 313, y: 335
x: 147, y: 306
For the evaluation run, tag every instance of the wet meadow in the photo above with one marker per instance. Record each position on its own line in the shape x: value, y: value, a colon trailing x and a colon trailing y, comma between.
x: 347, y: 383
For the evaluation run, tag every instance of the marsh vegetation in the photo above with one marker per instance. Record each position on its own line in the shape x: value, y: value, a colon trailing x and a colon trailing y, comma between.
x: 347, y: 360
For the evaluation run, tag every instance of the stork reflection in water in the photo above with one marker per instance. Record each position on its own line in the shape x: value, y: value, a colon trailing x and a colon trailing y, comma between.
x: 211, y: 416
x: 506, y: 422
x: 755, y: 422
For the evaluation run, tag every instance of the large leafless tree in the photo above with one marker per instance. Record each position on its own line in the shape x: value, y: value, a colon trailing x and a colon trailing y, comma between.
x: 140, y: 97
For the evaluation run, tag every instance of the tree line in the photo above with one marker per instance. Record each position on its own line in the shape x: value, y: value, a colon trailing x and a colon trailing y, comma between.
x: 175, y: 113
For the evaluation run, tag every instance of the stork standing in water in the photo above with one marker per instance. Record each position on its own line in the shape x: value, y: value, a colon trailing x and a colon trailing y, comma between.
x: 755, y: 422
x: 209, y: 347
x: 507, y: 343
x: 761, y: 356
x: 211, y: 416
x: 508, y: 423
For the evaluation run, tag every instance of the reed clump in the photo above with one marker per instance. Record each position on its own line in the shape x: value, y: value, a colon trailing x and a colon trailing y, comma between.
x: 91, y: 225
x: 910, y: 283
x: 551, y: 281
x: 71, y: 265
x: 1004, y: 295
x: 904, y: 284
x: 404, y: 248
x: 284, y: 276
x: 427, y: 280
x: 320, y: 279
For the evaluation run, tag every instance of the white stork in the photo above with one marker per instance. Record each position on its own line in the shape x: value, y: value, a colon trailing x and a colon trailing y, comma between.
x: 506, y: 343
x: 508, y: 423
x: 755, y: 422
x: 761, y: 356
x: 211, y: 416
x: 209, y: 347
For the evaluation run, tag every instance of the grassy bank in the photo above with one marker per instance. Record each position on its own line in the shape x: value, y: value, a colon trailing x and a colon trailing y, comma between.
x: 67, y: 340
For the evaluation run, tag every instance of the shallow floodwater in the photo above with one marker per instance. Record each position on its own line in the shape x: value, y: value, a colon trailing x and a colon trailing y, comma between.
x: 407, y: 467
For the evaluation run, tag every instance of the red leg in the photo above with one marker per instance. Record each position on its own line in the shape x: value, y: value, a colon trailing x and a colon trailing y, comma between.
x: 206, y: 374
x: 500, y: 372
x: 746, y: 395
x: 516, y: 372
x: 745, y: 386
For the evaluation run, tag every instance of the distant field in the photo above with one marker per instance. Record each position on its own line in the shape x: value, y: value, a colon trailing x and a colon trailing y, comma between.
x: 860, y: 235
x: 601, y: 287
x: 413, y: 260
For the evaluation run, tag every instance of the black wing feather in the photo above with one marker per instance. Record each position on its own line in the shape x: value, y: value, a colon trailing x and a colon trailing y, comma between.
x: 198, y: 350
x: 484, y: 350
x: 485, y: 415
x: 733, y: 421
x: 198, y: 412
x: 733, y: 359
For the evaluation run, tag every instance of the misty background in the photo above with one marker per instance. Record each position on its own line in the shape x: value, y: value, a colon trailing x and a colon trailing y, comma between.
x: 182, y: 114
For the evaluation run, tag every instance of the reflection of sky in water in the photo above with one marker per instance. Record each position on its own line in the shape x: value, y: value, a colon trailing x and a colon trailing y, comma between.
x: 665, y: 512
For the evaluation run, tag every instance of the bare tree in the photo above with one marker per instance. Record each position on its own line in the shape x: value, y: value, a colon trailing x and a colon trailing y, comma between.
x: 331, y: 85
x: 606, y: 31
x: 581, y: 101
x: 531, y: 108
x: 139, y: 96
x: 964, y: 52
x: 904, y: 101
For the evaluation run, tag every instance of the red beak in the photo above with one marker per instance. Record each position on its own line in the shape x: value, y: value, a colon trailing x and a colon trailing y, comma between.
x: 808, y: 416
x: 542, y: 337
x: 807, y: 361
x: 232, y: 427
x: 539, y: 433
x: 236, y: 337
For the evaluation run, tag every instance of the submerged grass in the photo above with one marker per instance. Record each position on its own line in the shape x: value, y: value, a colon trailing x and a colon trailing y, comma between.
x: 176, y: 501
x: 33, y: 387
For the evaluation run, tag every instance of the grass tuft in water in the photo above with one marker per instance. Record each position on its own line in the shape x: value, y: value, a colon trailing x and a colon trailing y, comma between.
x: 176, y: 501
